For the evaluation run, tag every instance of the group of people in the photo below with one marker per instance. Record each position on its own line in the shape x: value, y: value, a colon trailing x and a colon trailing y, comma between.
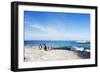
x: 45, y: 47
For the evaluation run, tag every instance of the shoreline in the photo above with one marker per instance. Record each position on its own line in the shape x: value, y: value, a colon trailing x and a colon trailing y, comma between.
x: 35, y: 54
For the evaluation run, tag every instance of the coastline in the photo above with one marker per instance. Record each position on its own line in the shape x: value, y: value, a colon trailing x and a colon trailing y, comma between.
x: 36, y: 54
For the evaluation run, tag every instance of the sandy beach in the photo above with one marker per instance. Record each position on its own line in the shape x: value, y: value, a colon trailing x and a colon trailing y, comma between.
x: 35, y: 54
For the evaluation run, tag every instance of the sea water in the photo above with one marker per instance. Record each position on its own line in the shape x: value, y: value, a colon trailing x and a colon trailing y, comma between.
x: 58, y: 44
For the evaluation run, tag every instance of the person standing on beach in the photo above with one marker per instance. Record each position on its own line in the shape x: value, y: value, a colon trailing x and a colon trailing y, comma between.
x: 45, y: 47
x: 40, y: 46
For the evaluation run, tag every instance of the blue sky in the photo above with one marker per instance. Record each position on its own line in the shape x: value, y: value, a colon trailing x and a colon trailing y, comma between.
x: 56, y: 26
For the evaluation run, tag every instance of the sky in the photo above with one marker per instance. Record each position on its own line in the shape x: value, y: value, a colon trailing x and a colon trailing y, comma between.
x: 56, y: 26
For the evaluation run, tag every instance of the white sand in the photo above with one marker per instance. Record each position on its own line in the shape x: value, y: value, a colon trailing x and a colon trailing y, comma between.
x: 34, y: 54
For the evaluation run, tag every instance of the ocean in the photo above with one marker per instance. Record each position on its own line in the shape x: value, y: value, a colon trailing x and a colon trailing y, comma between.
x: 58, y: 44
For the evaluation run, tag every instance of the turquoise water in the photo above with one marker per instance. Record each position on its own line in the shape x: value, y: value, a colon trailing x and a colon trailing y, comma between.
x: 57, y: 44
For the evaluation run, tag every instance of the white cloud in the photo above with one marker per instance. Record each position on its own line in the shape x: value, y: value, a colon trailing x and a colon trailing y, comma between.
x: 50, y: 33
x: 38, y: 36
x: 44, y: 28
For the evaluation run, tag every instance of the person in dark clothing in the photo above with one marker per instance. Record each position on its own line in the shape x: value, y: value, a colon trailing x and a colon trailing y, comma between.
x: 45, y: 47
